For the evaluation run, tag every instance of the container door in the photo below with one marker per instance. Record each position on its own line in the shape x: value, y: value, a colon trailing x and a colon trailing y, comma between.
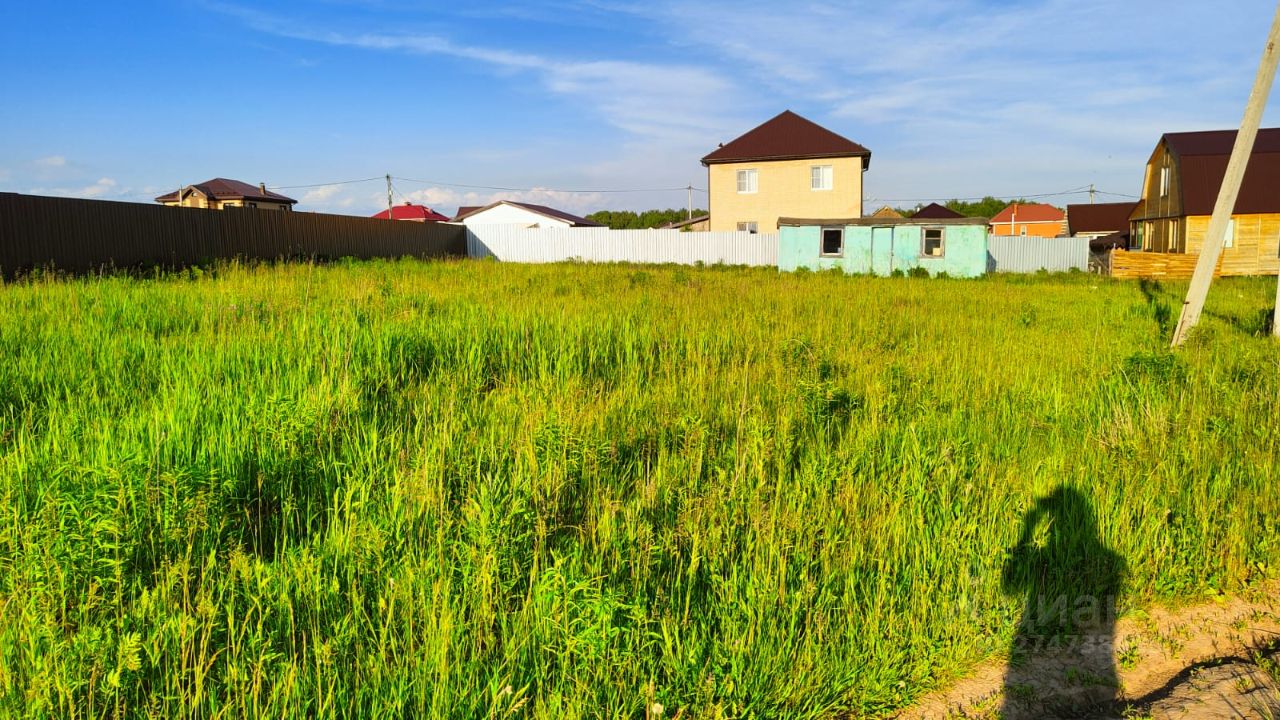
x: 881, y: 250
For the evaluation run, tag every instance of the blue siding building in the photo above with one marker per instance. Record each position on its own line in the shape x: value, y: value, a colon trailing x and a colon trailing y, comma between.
x: 879, y: 246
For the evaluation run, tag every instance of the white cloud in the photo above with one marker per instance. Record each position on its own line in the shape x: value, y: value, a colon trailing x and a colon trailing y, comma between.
x: 328, y: 196
x: 52, y: 161
x: 357, y: 200
x: 103, y: 186
x: 664, y: 101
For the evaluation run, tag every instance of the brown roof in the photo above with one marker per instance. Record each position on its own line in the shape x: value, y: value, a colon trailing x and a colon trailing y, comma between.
x: 934, y: 211
x: 686, y: 223
x: 1203, y: 158
x: 224, y: 189
x: 1102, y: 217
x: 550, y: 212
x: 465, y: 210
x: 1029, y: 213
x: 788, y: 137
x: 886, y: 212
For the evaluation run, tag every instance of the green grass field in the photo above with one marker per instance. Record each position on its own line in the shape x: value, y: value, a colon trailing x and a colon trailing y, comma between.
x: 467, y: 489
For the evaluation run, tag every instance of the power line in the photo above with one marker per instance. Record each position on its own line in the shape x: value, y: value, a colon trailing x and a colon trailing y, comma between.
x: 1077, y: 191
x: 325, y: 184
x: 516, y: 189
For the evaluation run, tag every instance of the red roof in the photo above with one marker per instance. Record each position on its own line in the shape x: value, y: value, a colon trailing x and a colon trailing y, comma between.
x: 550, y: 212
x: 788, y: 137
x: 224, y: 189
x: 409, y: 211
x: 1029, y: 213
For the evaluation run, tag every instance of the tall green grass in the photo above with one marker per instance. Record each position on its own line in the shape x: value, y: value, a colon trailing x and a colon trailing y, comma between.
x: 463, y: 489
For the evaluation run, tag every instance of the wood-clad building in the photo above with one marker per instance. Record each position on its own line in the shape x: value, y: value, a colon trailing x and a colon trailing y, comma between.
x: 1181, y: 186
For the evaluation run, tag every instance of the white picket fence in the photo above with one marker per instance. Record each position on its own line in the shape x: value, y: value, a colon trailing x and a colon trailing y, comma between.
x: 515, y: 243
x: 1027, y: 254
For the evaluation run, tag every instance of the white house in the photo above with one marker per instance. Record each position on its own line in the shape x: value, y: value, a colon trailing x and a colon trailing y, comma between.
x: 508, y: 212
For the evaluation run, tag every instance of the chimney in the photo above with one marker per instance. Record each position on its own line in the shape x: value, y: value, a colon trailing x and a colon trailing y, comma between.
x: 263, y: 188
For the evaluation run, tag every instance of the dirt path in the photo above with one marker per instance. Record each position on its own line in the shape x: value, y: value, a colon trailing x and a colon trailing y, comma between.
x: 1219, y: 660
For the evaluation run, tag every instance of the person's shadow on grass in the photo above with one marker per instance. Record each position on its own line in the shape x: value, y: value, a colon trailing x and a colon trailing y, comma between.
x: 1061, y: 662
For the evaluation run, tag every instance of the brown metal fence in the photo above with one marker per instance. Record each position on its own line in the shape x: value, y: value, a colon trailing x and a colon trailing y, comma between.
x: 89, y: 235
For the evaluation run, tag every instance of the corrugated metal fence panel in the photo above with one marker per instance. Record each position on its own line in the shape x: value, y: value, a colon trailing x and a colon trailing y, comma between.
x: 1019, y: 254
x: 515, y: 243
x: 88, y: 235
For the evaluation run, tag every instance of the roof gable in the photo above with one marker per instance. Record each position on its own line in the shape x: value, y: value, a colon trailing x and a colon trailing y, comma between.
x: 1202, y: 158
x: 410, y: 211
x: 542, y: 210
x: 226, y: 189
x: 934, y: 211
x: 787, y: 137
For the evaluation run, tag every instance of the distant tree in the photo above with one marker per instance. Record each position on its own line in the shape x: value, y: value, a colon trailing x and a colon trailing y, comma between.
x: 986, y: 207
x: 630, y: 220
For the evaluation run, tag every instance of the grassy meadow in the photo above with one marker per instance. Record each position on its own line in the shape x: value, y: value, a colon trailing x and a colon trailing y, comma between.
x: 468, y: 489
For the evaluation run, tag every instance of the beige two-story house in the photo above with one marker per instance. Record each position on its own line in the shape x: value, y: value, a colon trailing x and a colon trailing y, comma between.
x: 787, y: 167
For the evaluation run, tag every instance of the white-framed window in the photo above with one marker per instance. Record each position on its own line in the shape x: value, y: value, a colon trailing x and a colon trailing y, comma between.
x: 934, y: 244
x: 1229, y: 240
x: 1023, y: 231
x: 1164, y: 181
x: 821, y: 177
x: 749, y: 226
x: 748, y: 181
x: 832, y: 242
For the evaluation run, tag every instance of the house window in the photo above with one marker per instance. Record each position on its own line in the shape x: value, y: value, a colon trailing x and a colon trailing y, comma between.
x: 1023, y: 232
x: 1164, y: 181
x: 748, y: 181
x: 1173, y: 236
x: 1229, y: 240
x: 750, y: 227
x: 934, y: 243
x: 1135, y: 241
x: 832, y: 242
x: 821, y: 177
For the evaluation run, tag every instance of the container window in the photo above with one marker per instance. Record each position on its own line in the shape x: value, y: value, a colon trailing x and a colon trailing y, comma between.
x: 934, y: 243
x: 833, y: 242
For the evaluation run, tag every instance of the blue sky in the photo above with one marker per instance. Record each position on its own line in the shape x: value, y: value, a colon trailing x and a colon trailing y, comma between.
x: 955, y: 98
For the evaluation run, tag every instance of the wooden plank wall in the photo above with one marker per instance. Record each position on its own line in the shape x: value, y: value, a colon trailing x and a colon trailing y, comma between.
x: 1173, y: 266
x: 90, y: 235
x: 1161, y: 266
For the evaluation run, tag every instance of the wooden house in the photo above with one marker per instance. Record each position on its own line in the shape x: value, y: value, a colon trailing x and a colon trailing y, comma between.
x: 1183, y: 178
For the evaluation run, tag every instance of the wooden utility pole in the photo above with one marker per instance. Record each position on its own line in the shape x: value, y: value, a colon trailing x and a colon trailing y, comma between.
x: 1212, y: 250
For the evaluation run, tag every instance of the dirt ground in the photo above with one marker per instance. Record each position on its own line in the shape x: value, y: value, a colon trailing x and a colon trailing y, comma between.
x: 1213, y: 661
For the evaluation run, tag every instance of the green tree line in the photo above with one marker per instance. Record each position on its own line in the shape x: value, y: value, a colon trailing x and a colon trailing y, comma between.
x: 631, y: 220
x: 986, y: 207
